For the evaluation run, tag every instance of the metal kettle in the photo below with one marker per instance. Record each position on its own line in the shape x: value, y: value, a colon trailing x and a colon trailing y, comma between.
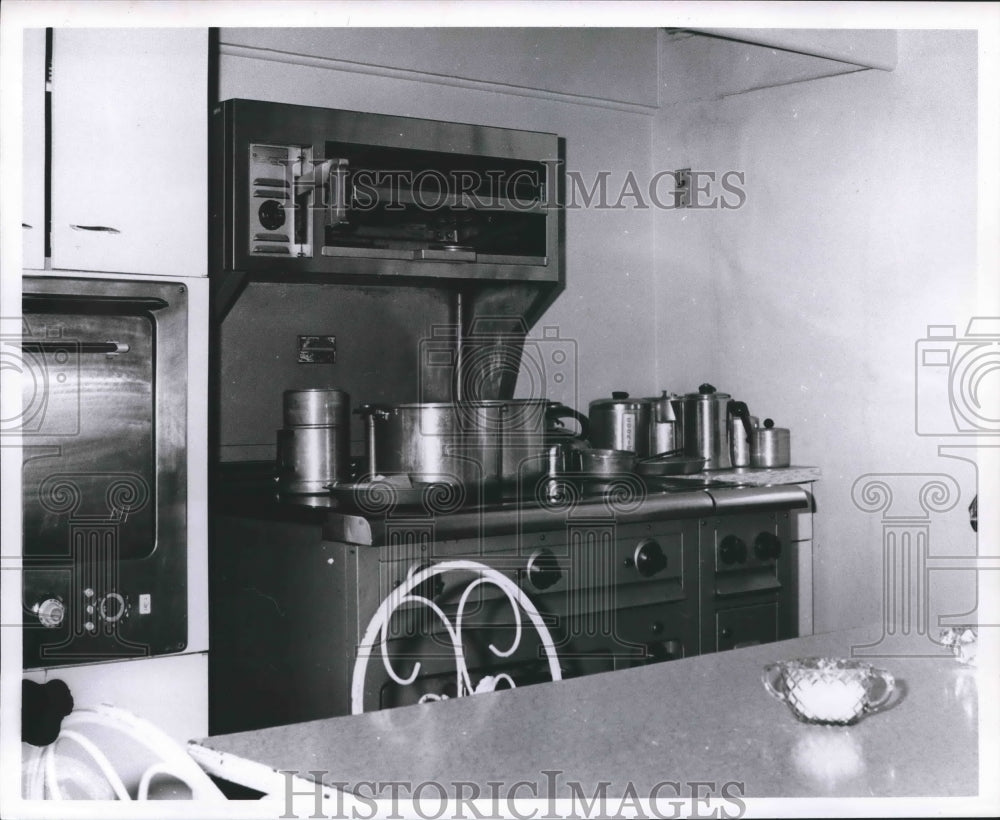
x: 705, y: 419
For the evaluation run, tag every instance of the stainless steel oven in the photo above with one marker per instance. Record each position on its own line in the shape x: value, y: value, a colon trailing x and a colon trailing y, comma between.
x: 104, y: 436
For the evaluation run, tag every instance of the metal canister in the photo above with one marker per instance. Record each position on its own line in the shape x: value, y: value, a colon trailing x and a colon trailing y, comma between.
x: 314, y: 446
x: 316, y: 407
x: 770, y: 446
x: 621, y: 423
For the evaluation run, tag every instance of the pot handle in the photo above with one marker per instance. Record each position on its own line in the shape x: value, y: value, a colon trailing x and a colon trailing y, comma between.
x: 554, y: 412
x: 370, y: 412
x: 742, y: 412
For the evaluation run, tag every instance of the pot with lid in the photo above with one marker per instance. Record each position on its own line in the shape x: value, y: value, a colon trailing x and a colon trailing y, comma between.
x: 313, y: 446
x: 770, y: 446
x: 502, y: 446
x: 621, y: 423
x: 705, y: 422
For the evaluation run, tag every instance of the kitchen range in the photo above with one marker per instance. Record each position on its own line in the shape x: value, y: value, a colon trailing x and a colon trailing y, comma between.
x: 644, y: 530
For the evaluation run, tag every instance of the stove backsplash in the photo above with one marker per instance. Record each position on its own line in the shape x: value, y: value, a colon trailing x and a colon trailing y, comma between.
x: 380, y: 335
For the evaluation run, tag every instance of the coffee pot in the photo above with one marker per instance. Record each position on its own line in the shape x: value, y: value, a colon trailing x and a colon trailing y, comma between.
x: 705, y: 420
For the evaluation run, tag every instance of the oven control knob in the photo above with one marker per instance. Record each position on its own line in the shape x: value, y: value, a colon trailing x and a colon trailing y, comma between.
x: 543, y: 569
x: 649, y: 558
x: 271, y: 214
x: 112, y: 607
x: 733, y: 550
x: 766, y: 546
x: 50, y: 612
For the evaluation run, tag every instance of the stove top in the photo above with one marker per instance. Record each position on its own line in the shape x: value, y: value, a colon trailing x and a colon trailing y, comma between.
x: 248, y: 490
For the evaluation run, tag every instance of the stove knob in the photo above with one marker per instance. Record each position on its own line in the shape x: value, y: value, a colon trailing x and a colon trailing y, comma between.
x: 733, y: 550
x: 113, y: 607
x: 50, y: 612
x: 767, y: 545
x: 649, y: 558
x: 543, y: 569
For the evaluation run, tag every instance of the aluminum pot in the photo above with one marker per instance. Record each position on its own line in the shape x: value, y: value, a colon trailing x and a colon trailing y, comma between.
x: 770, y: 446
x: 705, y: 419
x: 316, y: 407
x: 602, y: 461
x: 531, y: 427
x: 310, y: 459
x: 314, y: 446
x: 500, y: 445
x: 621, y: 423
x: 435, y: 441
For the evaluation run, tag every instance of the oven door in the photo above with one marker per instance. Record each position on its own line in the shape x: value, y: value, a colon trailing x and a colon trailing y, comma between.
x: 103, y: 429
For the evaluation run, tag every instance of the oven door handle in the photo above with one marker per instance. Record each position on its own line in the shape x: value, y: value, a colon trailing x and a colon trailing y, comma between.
x: 111, y: 348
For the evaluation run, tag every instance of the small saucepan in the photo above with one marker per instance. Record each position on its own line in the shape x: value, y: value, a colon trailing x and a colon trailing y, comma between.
x: 674, y: 463
x: 606, y: 462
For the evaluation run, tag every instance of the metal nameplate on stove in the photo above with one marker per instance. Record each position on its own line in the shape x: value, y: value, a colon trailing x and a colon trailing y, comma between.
x: 317, y: 349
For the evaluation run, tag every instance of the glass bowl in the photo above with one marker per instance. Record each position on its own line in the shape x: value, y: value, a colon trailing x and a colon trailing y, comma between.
x: 836, y: 691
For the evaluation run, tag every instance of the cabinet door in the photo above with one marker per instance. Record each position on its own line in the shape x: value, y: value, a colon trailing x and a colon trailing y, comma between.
x: 33, y: 147
x: 746, y: 626
x: 129, y: 180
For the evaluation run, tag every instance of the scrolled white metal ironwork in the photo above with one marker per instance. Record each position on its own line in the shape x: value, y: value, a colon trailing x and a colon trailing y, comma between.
x: 378, y: 628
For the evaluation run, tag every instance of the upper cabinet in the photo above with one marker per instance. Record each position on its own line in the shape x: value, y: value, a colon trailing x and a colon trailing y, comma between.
x: 590, y: 64
x: 33, y: 147
x: 129, y: 132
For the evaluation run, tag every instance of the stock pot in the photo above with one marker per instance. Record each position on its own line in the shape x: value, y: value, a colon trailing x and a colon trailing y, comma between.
x: 621, y: 423
x: 646, y: 427
x: 498, y: 444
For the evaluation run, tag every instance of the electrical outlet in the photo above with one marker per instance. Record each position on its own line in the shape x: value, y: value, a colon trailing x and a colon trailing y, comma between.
x: 682, y: 188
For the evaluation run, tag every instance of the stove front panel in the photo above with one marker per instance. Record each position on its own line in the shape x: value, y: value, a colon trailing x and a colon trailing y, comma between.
x: 612, y: 596
x: 291, y: 604
x: 746, y: 589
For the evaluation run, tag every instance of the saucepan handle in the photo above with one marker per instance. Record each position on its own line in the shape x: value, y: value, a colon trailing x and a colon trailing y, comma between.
x: 889, y: 687
x: 768, y: 677
x: 561, y: 411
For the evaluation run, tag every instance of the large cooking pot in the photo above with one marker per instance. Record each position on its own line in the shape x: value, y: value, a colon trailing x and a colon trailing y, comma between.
x: 500, y: 445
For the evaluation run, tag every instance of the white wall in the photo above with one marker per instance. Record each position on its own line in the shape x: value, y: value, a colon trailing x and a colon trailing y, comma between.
x: 858, y: 231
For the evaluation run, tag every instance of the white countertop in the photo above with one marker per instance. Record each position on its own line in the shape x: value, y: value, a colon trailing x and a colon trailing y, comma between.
x: 705, y: 718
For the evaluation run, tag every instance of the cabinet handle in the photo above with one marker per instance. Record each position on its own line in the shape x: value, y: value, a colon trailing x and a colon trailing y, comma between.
x: 26, y: 225
x: 102, y: 228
